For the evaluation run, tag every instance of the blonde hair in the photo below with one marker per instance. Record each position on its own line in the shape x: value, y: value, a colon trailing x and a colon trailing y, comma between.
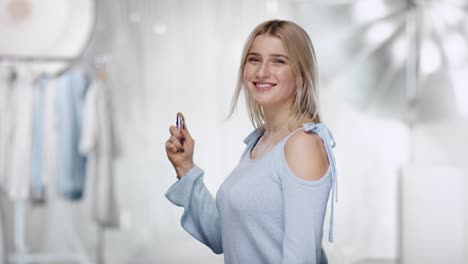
x: 304, y: 66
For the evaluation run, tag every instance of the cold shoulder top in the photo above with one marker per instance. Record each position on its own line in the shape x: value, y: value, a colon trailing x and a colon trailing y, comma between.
x: 262, y: 213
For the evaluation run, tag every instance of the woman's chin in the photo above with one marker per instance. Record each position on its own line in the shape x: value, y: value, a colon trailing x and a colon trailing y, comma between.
x: 264, y: 104
x: 260, y: 102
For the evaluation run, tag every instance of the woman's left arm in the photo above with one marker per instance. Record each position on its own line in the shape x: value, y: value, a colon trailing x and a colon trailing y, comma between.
x: 306, y: 187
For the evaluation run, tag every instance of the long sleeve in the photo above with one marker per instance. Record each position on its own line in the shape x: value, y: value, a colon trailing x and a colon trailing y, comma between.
x: 200, y: 218
x: 305, y: 204
x: 303, y: 220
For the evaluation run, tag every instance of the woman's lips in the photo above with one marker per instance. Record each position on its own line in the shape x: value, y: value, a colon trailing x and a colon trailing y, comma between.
x: 264, y: 85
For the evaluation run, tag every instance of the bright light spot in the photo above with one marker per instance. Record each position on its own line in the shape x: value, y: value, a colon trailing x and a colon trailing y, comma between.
x: 460, y: 86
x: 272, y: 7
x: 458, y: 3
x: 125, y: 220
x: 455, y: 48
x: 134, y: 17
x: 430, y: 57
x: 435, y: 20
x: 380, y: 32
x: 368, y: 10
x: 159, y: 29
x: 449, y: 13
x: 399, y: 50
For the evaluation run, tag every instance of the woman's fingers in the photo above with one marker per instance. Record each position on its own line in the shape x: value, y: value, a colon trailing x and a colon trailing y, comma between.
x: 186, y: 135
x: 182, y: 136
x: 174, y: 146
x: 174, y: 131
x: 176, y: 142
x: 170, y: 147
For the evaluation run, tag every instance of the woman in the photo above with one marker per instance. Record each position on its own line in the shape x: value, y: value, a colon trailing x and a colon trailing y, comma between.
x: 271, y: 208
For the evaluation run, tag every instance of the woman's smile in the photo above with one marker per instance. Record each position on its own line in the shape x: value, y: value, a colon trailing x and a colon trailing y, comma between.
x: 264, y: 86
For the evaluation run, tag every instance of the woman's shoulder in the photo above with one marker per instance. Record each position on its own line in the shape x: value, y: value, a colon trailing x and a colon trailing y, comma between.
x: 321, y: 130
x: 306, y: 155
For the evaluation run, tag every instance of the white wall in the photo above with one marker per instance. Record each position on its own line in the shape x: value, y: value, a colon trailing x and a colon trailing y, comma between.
x: 440, y: 161
x: 433, y: 228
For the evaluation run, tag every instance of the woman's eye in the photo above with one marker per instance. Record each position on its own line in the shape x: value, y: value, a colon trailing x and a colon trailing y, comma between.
x: 279, y: 61
x: 253, y: 59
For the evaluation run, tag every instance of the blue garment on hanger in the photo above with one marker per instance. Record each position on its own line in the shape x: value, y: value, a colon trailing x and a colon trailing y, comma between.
x: 71, y: 165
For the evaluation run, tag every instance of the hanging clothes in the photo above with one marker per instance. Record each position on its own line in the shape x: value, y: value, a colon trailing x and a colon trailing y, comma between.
x: 5, y: 72
x: 15, y: 138
x: 98, y: 143
x: 70, y: 92
x: 5, y: 231
x: 50, y: 137
x: 44, y: 138
x: 38, y: 146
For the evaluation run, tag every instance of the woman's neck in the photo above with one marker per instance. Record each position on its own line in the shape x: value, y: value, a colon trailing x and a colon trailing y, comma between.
x: 278, y: 120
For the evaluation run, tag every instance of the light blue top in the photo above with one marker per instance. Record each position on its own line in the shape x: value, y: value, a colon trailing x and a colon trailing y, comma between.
x: 263, y: 213
x: 71, y: 165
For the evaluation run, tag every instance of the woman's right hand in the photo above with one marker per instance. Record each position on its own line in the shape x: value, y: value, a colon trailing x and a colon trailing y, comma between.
x: 180, y: 155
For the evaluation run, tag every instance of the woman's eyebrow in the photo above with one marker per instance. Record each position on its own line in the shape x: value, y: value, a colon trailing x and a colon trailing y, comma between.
x: 271, y: 55
x: 253, y: 54
x: 279, y: 55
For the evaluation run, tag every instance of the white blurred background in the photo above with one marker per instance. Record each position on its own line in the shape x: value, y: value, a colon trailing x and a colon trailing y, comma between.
x: 394, y: 93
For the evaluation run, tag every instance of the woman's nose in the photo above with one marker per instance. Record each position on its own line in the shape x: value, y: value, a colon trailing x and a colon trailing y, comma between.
x: 263, y: 71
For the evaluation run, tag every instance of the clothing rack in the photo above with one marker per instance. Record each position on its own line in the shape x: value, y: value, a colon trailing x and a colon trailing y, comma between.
x: 98, y: 62
x: 42, y: 59
x: 27, y: 58
x: 78, y: 254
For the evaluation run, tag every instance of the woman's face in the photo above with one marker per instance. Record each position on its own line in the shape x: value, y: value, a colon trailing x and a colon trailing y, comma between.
x: 268, y: 76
